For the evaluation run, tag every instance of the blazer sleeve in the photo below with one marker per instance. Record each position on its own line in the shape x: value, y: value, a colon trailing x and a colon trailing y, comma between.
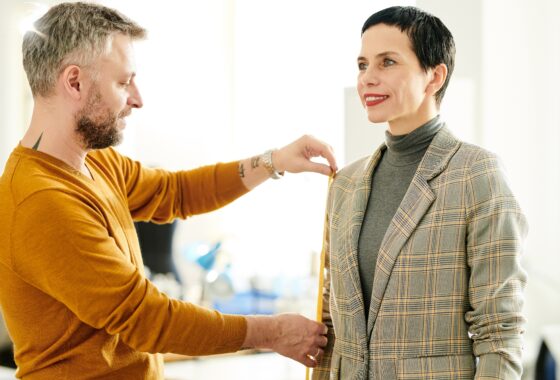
x: 496, y: 229
x: 323, y: 368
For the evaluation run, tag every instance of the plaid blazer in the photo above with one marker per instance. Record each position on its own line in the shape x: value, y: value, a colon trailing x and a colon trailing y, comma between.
x: 448, y: 282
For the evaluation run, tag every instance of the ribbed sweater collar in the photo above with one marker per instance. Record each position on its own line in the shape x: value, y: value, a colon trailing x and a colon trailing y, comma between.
x: 410, y: 148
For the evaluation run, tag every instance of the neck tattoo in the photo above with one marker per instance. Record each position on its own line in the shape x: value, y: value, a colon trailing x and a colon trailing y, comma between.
x: 36, y: 146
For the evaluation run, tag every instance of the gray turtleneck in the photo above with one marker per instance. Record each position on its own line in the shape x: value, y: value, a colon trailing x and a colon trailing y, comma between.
x: 389, y: 183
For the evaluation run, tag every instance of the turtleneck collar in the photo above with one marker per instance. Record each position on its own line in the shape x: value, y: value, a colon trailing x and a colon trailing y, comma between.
x: 409, y: 149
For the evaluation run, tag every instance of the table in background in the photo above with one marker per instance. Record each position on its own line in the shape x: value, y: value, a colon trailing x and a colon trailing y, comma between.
x: 7, y: 373
x: 264, y: 365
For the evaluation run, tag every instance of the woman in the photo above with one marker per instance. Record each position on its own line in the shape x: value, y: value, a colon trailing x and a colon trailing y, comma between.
x: 424, y: 236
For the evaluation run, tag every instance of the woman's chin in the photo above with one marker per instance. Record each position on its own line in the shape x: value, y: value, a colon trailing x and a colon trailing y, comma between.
x: 376, y: 118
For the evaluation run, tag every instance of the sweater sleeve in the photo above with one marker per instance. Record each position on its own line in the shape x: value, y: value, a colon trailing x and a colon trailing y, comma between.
x: 161, y: 196
x: 70, y: 256
x: 496, y: 230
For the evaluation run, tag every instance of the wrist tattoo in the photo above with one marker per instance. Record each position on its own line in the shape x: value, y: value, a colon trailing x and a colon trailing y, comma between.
x: 36, y: 145
x: 241, y: 170
x: 255, y: 162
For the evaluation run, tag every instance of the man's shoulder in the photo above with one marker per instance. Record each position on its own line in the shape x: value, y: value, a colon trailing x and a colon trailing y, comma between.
x: 25, y: 177
x: 29, y: 188
x: 112, y: 163
x: 29, y: 176
x: 105, y: 157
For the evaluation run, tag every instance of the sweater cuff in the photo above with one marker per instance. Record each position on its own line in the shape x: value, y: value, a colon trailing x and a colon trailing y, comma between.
x: 234, y: 333
x: 228, y: 182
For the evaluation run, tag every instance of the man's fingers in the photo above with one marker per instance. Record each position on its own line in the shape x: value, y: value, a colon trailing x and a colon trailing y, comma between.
x: 324, y: 151
x: 306, y: 349
x: 318, y: 168
x: 308, y: 361
x: 312, y: 360
x: 322, y: 341
x: 328, y: 154
x: 322, y: 328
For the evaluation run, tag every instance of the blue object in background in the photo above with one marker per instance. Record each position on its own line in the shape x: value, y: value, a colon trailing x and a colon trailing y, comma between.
x: 219, y: 284
x: 546, y: 365
x: 250, y: 302
x: 202, y: 254
x: 207, y: 260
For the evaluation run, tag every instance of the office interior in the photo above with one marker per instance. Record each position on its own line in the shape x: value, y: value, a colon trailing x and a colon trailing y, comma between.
x: 228, y: 79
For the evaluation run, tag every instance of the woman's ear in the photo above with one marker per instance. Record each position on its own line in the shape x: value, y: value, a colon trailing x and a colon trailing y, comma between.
x: 439, y: 74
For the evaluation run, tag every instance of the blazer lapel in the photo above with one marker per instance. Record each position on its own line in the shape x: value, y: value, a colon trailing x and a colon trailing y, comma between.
x: 360, y: 197
x: 416, y: 202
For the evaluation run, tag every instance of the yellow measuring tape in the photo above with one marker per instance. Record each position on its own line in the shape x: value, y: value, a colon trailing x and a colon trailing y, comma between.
x: 319, y: 315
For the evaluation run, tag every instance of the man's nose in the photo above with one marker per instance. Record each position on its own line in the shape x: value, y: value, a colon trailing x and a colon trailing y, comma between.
x: 135, y: 99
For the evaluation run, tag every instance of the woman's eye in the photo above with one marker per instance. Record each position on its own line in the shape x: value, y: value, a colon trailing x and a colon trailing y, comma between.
x: 362, y: 66
x: 388, y: 62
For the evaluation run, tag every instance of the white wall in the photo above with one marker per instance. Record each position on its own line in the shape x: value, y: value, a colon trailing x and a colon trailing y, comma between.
x: 14, y: 95
x: 511, y: 52
x: 522, y: 121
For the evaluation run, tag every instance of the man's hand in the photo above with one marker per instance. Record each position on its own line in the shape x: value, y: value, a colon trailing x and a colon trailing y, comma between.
x: 296, y: 157
x: 290, y: 335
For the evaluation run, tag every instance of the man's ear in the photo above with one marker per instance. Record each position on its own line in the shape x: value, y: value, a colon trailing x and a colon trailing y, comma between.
x: 71, y: 78
x: 439, y: 74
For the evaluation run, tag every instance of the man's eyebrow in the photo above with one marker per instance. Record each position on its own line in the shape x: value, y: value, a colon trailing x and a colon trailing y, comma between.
x: 129, y: 74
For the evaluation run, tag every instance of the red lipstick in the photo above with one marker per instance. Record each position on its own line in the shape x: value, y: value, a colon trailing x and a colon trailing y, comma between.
x: 374, y: 99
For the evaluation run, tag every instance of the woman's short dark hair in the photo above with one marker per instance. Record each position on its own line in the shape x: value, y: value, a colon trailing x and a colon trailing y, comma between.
x: 431, y: 41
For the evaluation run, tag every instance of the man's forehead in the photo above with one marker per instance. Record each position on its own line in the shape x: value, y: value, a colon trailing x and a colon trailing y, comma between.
x: 119, y: 51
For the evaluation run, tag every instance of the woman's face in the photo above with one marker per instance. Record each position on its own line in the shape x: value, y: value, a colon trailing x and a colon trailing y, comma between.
x: 392, y: 86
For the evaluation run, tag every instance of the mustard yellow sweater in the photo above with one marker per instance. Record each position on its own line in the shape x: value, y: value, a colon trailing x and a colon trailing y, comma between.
x: 72, y: 289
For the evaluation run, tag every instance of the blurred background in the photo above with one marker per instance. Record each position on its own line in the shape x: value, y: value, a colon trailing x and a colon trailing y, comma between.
x: 228, y: 79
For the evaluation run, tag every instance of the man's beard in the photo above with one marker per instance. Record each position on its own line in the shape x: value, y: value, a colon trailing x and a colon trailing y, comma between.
x: 97, y: 126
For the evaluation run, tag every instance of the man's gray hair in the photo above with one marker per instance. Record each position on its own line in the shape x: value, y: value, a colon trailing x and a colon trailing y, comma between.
x: 70, y: 33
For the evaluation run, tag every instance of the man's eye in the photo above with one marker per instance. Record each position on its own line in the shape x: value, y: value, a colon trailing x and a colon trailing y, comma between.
x: 362, y: 66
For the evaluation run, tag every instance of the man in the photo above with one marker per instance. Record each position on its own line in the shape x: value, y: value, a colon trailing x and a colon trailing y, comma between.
x: 74, y: 296
x: 423, y: 238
